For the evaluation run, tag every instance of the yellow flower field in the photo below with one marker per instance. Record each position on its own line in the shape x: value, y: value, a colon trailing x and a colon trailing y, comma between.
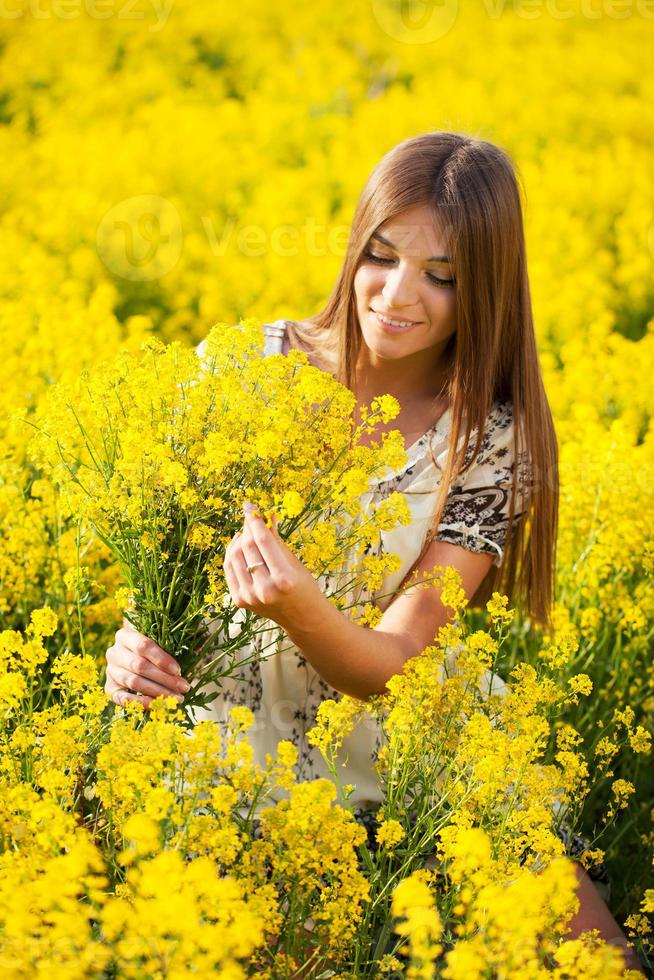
x: 170, y: 165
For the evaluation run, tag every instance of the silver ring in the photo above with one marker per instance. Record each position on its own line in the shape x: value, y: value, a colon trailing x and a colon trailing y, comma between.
x: 251, y: 568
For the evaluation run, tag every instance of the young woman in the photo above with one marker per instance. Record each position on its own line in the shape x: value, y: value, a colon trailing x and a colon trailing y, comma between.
x: 432, y: 305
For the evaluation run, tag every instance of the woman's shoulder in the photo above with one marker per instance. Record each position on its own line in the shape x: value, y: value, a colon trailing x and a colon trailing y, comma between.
x: 497, y: 437
x: 275, y: 334
x: 502, y: 450
x: 280, y: 336
x: 283, y: 335
x: 304, y: 336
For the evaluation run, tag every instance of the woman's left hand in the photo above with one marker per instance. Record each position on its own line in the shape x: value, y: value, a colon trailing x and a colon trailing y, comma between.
x: 278, y: 586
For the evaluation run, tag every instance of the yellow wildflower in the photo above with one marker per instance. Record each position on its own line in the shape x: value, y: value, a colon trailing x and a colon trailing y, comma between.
x: 389, y: 833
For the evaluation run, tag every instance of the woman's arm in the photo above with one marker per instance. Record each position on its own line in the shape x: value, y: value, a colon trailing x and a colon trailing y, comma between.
x: 353, y: 659
x: 359, y: 661
x: 594, y: 913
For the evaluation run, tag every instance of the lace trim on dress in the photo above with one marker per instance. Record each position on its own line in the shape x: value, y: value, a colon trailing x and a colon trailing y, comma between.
x: 470, y: 531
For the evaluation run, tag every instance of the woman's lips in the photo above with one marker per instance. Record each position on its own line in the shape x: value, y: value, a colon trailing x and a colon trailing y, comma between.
x: 400, y: 326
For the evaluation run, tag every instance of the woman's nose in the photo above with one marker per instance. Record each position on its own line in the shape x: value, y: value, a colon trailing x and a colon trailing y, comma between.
x: 398, y: 290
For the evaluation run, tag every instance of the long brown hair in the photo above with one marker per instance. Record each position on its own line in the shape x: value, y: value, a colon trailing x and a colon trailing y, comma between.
x: 471, y: 186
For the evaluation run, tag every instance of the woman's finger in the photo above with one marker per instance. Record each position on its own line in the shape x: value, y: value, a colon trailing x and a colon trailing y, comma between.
x: 141, y: 685
x: 270, y: 547
x: 122, y: 659
x: 231, y: 544
x: 143, y: 646
x: 120, y: 696
x: 240, y: 580
x: 253, y: 556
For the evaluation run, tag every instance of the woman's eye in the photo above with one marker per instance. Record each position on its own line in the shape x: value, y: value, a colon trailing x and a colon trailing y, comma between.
x: 380, y: 260
x: 376, y: 258
x: 440, y: 282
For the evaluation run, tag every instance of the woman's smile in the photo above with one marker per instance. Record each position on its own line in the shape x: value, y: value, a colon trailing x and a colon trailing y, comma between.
x: 395, y: 326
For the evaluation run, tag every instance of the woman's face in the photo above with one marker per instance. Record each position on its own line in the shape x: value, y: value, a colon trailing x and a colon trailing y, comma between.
x: 408, y: 277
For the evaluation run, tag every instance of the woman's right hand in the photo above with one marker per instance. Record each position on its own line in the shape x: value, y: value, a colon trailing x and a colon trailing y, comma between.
x: 139, y: 670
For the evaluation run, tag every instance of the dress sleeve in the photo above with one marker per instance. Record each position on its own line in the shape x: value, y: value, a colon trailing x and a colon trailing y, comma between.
x: 476, y: 514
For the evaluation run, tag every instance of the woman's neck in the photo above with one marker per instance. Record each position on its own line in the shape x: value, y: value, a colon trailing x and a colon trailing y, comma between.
x: 411, y: 379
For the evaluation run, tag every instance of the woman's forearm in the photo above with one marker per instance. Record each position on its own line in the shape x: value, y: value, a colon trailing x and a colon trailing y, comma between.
x: 353, y: 659
x: 594, y: 913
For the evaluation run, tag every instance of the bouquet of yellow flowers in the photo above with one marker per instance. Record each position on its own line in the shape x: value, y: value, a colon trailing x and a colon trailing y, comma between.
x: 158, y: 452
